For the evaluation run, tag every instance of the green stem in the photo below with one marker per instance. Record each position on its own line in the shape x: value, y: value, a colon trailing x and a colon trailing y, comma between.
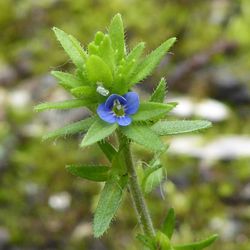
x: 134, y: 188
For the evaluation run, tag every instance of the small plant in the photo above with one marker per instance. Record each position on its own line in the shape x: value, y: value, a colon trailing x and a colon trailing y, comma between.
x: 103, y: 80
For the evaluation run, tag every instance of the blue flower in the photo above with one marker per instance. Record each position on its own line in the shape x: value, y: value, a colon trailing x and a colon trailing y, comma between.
x: 118, y: 108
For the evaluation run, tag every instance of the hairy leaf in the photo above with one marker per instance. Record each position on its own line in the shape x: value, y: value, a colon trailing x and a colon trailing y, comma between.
x: 146, y: 241
x: 68, y: 104
x: 67, y: 80
x: 160, y: 92
x: 116, y: 32
x: 162, y: 241
x: 151, y: 61
x: 106, y: 52
x: 169, y: 223
x: 133, y: 60
x: 144, y: 136
x: 72, y: 47
x: 108, y: 204
x: 83, y: 91
x: 108, y: 149
x: 88, y: 172
x: 151, y: 110
x: 152, y: 179
x: 118, y: 164
x: 73, y: 128
x: 97, y: 132
x: 179, y: 127
x: 197, y: 245
x: 98, y: 71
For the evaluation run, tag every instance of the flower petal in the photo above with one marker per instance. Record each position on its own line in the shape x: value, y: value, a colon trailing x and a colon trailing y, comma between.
x: 109, y: 102
x: 105, y: 114
x: 132, y: 103
x: 124, y: 120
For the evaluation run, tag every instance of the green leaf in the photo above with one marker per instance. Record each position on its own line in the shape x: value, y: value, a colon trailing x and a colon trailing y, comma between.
x: 72, y: 47
x: 197, y: 245
x: 97, y: 132
x: 108, y: 149
x: 151, y: 110
x: 116, y: 32
x: 144, y: 136
x: 98, y: 71
x: 146, y: 241
x: 152, y: 178
x: 68, y: 104
x: 136, y: 52
x: 92, y: 173
x: 106, y: 52
x: 162, y: 241
x: 73, y: 128
x: 118, y: 164
x: 179, y: 127
x: 160, y: 92
x: 67, y: 80
x: 169, y: 223
x: 133, y: 60
x: 99, y: 36
x: 151, y: 61
x: 83, y: 91
x: 108, y: 204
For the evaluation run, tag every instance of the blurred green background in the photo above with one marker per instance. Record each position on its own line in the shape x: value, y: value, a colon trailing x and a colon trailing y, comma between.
x: 208, y: 174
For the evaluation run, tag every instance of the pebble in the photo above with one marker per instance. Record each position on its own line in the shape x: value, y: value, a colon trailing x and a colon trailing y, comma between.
x: 60, y: 201
x: 4, y: 237
x: 223, y: 148
x: 210, y: 109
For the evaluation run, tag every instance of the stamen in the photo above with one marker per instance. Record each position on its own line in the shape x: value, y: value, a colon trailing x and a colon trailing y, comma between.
x: 118, y: 108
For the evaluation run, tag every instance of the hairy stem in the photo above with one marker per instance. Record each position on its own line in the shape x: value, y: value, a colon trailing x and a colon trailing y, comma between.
x: 134, y: 188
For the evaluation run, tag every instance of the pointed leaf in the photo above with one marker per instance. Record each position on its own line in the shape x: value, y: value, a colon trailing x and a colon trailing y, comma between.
x: 92, y: 173
x: 160, y: 92
x: 108, y: 149
x: 136, y: 52
x: 151, y: 61
x: 132, y: 60
x: 162, y: 241
x: 97, y: 132
x: 67, y: 80
x: 83, y: 91
x: 106, y: 52
x: 179, y: 127
x: 197, y: 245
x: 98, y: 71
x: 72, y: 47
x: 151, y: 110
x: 152, y: 179
x: 144, y: 136
x: 108, y: 204
x: 73, y: 128
x: 116, y: 32
x: 146, y: 241
x: 118, y: 164
x: 169, y: 223
x: 68, y: 104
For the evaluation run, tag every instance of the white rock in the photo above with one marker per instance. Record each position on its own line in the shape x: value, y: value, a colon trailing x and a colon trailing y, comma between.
x: 228, y: 147
x: 19, y: 99
x: 209, y: 109
x: 60, y: 201
x: 212, y: 110
x: 186, y: 145
x: 185, y: 107
x: 227, y: 228
x: 223, y: 148
x: 82, y: 230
